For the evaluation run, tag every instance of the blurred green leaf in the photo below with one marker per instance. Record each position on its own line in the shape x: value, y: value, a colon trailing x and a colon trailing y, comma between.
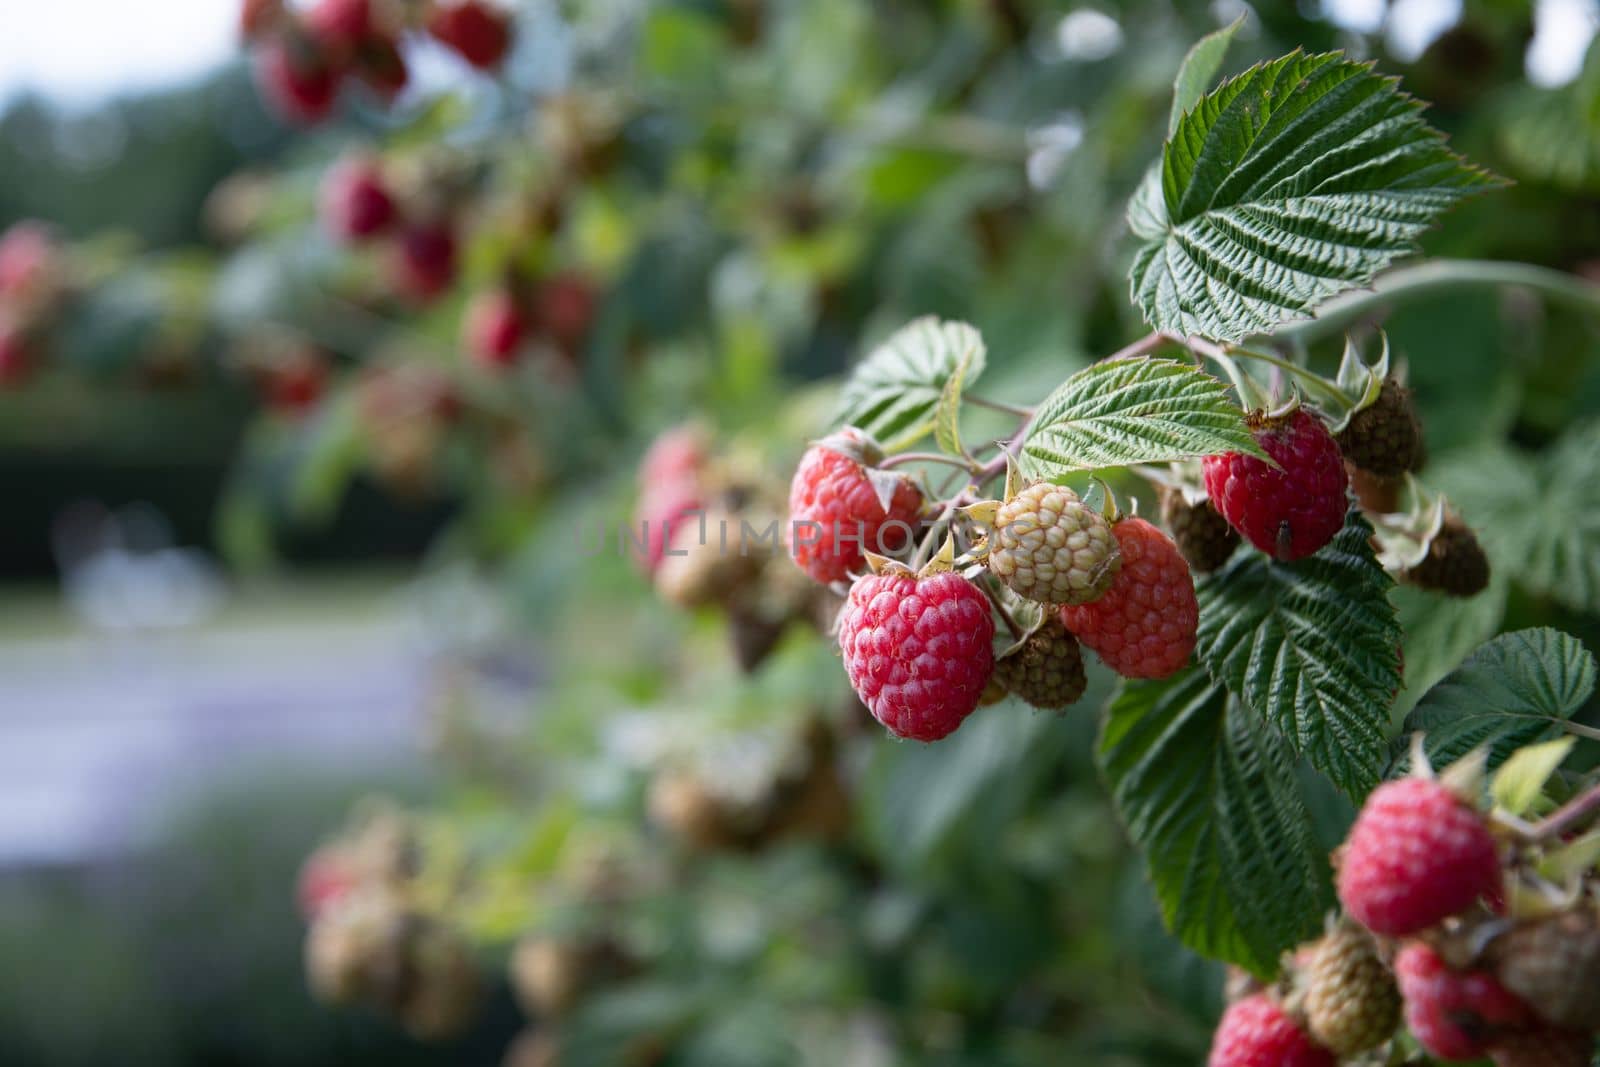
x: 1519, y: 783
x: 1538, y: 517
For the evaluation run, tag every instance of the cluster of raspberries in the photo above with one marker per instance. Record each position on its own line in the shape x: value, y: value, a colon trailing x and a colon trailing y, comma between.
x: 919, y: 649
x: 1424, y: 942
x: 303, y: 58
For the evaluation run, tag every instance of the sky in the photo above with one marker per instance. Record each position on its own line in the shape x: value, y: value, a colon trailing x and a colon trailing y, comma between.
x: 80, y: 52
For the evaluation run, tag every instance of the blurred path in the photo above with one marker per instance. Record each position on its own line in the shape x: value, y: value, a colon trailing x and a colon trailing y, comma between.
x: 99, y: 734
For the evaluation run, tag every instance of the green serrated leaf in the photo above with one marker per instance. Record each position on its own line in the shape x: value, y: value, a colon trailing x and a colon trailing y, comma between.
x: 947, y: 416
x: 1199, y: 70
x: 1208, y: 792
x: 1290, y: 183
x: 1519, y: 783
x: 1515, y: 690
x: 1126, y: 411
x: 894, y: 392
x: 1312, y: 647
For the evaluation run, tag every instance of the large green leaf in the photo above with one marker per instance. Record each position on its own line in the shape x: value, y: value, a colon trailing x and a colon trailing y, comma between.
x: 1124, y: 411
x: 1208, y: 792
x: 1515, y: 690
x: 1290, y: 183
x: 1538, y: 517
x: 1313, y: 647
x: 894, y: 391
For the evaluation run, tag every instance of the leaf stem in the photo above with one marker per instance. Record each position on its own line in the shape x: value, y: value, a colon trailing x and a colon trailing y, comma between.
x: 1421, y: 279
x: 997, y: 466
x: 998, y: 405
x: 1569, y: 816
x: 900, y: 459
x: 1312, y: 381
x: 999, y: 606
x: 1145, y: 345
x: 1577, y: 729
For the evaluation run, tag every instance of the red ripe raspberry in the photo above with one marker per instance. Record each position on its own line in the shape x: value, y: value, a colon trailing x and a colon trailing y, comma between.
x: 297, y: 78
x: 479, y: 33
x: 1255, y: 1032
x: 425, y: 262
x: 1287, y: 512
x: 663, y: 511
x: 356, y: 204
x: 1416, y: 855
x: 495, y: 328
x: 1144, y: 626
x: 1455, y: 1015
x: 918, y: 650
x: 835, y: 513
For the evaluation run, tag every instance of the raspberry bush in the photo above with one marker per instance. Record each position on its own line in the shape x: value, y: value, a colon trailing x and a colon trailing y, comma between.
x: 1281, y: 586
x: 1251, y: 655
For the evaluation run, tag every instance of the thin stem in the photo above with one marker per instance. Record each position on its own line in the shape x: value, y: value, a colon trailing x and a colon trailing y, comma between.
x: 1420, y: 279
x: 999, y: 606
x: 1569, y: 816
x: 900, y: 459
x: 1299, y: 374
x: 998, y: 405
x: 1145, y: 345
x: 1577, y: 729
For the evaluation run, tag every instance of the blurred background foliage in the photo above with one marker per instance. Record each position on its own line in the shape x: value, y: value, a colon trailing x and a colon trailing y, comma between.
x: 751, y: 192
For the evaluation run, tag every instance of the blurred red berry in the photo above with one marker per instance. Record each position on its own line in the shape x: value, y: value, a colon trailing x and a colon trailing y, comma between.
x: 1416, y: 855
x: 677, y: 454
x: 16, y: 357
x: 1255, y: 1032
x: 325, y: 878
x: 425, y: 261
x: 356, y: 203
x: 495, y: 328
x: 341, y: 25
x: 298, y: 80
x: 1455, y: 1015
x: 255, y: 16
x: 29, y: 258
x: 477, y: 31
x: 295, y: 386
x: 381, y: 67
x: 662, y: 510
x: 564, y: 309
